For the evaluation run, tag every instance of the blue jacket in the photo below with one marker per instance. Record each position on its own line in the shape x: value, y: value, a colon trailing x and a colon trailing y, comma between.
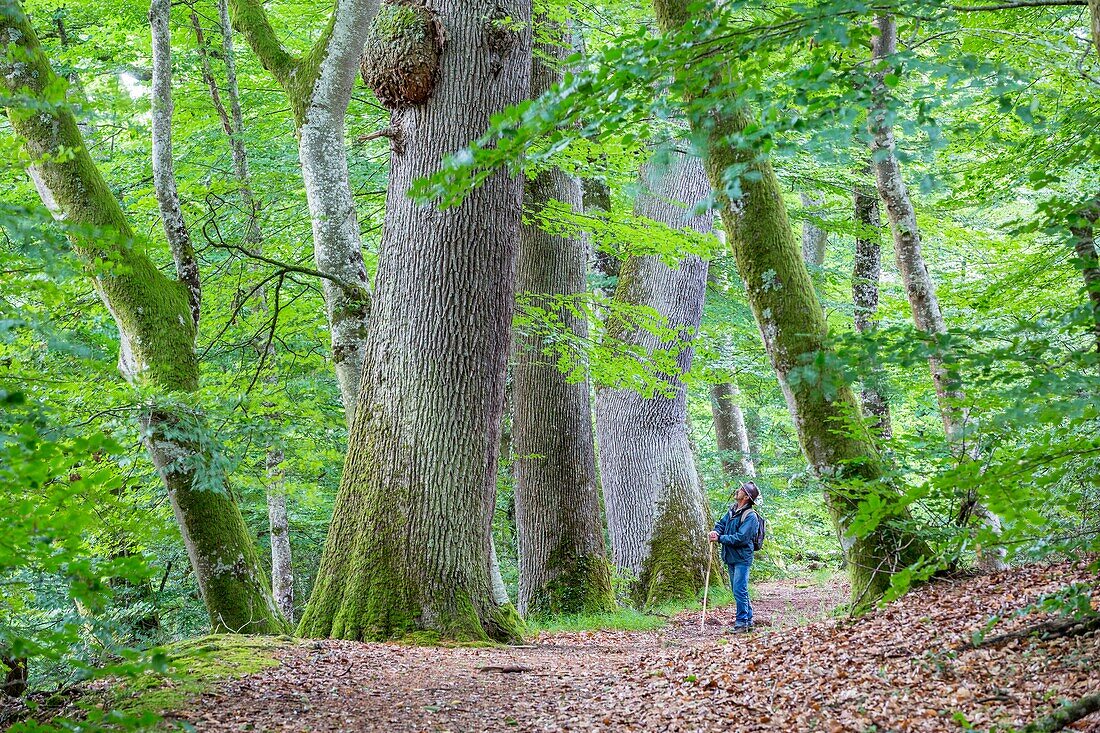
x: 736, y: 531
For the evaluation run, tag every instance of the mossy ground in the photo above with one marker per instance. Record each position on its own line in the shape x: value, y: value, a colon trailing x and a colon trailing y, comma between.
x: 194, y: 667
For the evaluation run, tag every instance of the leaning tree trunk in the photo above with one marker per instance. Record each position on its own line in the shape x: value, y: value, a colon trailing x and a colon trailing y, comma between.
x: 318, y: 87
x: 814, y: 238
x: 792, y: 324
x: 156, y: 331
x: 282, y: 567
x: 919, y: 288
x: 409, y: 547
x: 657, y: 513
x: 866, y: 271
x: 730, y: 431
x: 563, y: 568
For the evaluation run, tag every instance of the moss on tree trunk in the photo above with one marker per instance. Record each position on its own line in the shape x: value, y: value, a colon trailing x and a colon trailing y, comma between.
x: 789, y: 315
x: 155, y: 324
x: 409, y: 552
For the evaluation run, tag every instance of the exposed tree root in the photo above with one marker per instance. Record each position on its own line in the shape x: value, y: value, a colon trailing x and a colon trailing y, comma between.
x: 1066, y: 714
x: 1047, y: 630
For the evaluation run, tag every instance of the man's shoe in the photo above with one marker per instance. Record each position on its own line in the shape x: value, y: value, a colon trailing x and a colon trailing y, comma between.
x: 742, y: 629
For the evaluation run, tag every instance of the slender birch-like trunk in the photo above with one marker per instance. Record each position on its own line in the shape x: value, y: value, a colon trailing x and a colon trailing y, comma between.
x: 866, y: 271
x: 919, y: 288
x: 282, y: 567
x: 318, y: 87
x: 657, y: 513
x: 409, y: 550
x: 164, y: 174
x: 792, y: 324
x: 814, y: 238
x: 563, y: 568
x: 156, y: 332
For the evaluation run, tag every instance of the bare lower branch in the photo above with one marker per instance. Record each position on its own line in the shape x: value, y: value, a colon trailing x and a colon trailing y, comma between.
x: 1016, y: 4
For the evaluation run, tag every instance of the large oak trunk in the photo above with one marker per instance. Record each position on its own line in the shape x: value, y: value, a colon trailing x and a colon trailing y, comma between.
x: 656, y: 510
x: 563, y: 568
x: 409, y: 547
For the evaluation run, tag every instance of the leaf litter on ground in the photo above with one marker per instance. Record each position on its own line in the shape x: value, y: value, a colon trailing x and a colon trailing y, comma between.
x: 911, y: 666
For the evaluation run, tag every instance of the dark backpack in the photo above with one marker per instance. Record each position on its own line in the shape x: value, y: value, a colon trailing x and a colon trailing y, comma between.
x: 761, y: 529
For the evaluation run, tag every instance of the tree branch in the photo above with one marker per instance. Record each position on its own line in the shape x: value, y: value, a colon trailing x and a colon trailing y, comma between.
x: 250, y: 19
x: 1016, y: 4
x: 352, y: 289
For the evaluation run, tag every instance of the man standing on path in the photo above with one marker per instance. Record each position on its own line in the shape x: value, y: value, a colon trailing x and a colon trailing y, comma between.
x: 736, y: 530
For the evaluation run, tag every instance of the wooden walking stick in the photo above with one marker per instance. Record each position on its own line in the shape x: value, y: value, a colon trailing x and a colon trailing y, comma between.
x: 706, y: 588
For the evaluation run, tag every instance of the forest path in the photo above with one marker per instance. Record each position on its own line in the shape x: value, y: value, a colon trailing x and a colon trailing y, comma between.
x: 903, y: 668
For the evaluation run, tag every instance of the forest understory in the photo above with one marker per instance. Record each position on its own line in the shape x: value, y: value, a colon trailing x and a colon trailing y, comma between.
x: 911, y: 666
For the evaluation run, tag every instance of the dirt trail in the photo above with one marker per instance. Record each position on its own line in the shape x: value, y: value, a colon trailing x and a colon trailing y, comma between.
x: 911, y: 666
x: 562, y: 681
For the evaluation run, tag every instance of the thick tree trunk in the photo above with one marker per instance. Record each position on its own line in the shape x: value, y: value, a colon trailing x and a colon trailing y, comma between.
x: 563, y: 567
x: 657, y: 513
x: 919, y: 288
x: 730, y: 431
x: 866, y: 271
x: 318, y: 87
x: 814, y: 238
x: 156, y: 332
x: 409, y: 547
x: 792, y: 324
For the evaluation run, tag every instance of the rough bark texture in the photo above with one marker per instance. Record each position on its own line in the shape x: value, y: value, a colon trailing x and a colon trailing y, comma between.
x: 866, y: 271
x: 156, y: 333
x: 657, y: 512
x: 318, y: 87
x: 409, y: 547
x: 814, y: 238
x: 730, y: 431
x: 1084, y: 246
x: 164, y: 176
x: 563, y: 567
x: 792, y: 324
x: 919, y: 288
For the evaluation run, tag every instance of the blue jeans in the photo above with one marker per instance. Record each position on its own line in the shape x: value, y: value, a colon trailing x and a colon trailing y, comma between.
x: 739, y: 581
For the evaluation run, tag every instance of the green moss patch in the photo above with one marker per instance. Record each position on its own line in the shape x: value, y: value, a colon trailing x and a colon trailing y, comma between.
x: 195, y: 667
